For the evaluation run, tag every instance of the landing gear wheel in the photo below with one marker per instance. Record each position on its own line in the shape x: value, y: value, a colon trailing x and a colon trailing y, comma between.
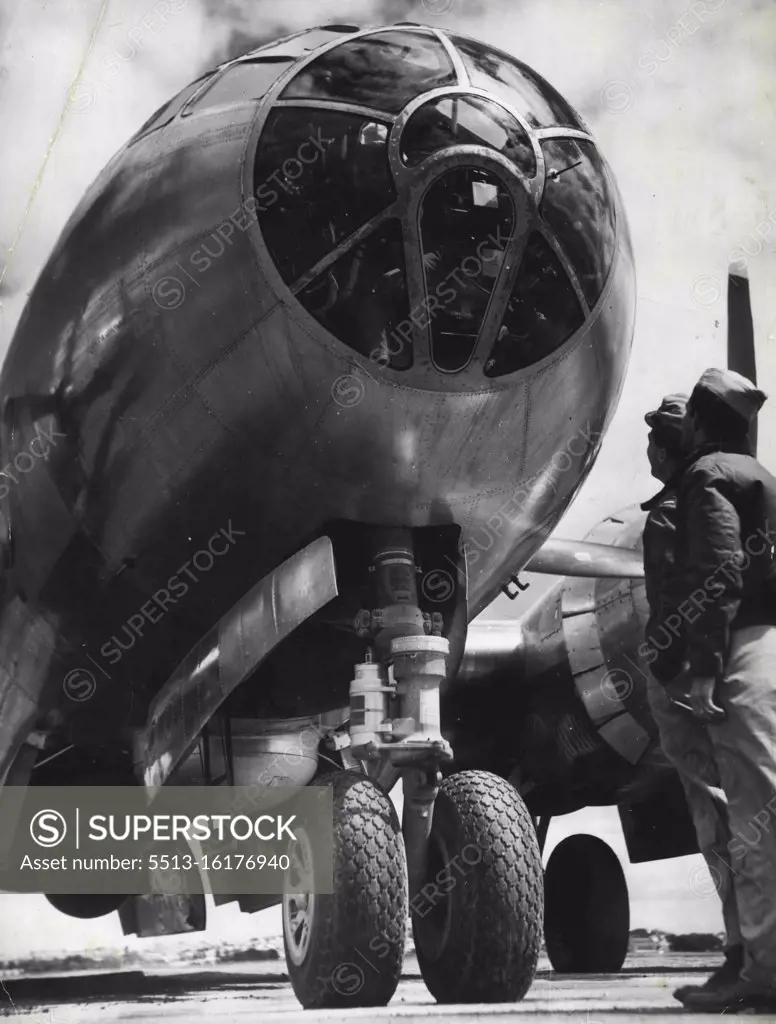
x: 586, y: 910
x: 347, y: 948
x: 478, y: 921
x: 85, y: 906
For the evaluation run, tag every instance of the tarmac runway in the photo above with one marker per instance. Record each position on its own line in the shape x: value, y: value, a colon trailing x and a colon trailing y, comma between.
x: 261, y: 992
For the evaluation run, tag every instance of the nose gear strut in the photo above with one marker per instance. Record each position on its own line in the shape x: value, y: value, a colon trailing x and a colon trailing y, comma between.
x: 395, y: 717
x: 473, y: 862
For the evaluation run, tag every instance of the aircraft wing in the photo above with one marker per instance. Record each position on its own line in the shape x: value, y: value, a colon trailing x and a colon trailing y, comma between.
x: 582, y: 558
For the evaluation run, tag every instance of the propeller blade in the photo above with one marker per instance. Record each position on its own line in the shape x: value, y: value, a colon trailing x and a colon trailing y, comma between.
x: 581, y: 558
x: 741, y: 355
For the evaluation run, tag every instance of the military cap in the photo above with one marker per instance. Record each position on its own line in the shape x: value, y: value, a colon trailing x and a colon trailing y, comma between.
x: 667, y: 419
x: 738, y: 393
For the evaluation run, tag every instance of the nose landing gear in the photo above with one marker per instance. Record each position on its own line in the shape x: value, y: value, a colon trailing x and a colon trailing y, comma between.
x: 473, y: 868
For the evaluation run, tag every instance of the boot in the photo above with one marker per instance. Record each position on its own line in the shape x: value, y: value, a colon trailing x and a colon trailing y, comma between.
x: 724, y: 976
x: 739, y: 996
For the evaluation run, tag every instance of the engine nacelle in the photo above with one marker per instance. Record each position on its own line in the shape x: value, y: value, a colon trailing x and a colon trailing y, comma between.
x: 560, y: 698
x: 603, y: 622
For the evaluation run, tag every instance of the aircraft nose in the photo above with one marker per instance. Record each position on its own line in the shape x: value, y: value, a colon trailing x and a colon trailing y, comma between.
x: 433, y: 230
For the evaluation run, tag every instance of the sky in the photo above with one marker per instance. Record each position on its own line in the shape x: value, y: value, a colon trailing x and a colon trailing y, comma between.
x: 680, y: 96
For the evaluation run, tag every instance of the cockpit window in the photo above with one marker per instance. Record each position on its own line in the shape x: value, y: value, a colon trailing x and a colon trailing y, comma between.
x: 385, y: 71
x: 166, y: 113
x: 319, y: 175
x: 362, y: 298
x: 465, y: 120
x: 466, y: 220
x: 578, y: 207
x: 301, y: 43
x: 242, y: 83
x: 516, y: 84
x: 542, y: 313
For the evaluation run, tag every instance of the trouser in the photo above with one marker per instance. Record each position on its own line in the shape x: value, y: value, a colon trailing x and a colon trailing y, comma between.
x: 688, y: 746
x: 745, y: 752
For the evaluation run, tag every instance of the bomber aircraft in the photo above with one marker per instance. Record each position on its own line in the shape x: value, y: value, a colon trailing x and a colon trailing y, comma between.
x: 317, y: 366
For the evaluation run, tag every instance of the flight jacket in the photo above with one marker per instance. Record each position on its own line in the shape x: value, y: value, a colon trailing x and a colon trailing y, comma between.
x: 665, y: 643
x: 725, y: 572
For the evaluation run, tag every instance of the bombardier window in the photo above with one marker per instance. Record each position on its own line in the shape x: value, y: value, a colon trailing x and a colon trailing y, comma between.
x: 242, y: 83
x: 385, y: 71
x: 362, y: 298
x: 515, y: 84
x: 319, y: 175
x: 578, y: 207
x: 465, y: 223
x: 542, y: 313
x: 470, y: 120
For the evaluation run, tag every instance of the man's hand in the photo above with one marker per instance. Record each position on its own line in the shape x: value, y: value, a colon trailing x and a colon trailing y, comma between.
x: 678, y: 688
x: 702, y: 700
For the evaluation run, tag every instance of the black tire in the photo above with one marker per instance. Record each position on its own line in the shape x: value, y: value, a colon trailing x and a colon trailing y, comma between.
x: 86, y: 906
x: 586, y: 910
x: 478, y: 921
x: 353, y: 949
